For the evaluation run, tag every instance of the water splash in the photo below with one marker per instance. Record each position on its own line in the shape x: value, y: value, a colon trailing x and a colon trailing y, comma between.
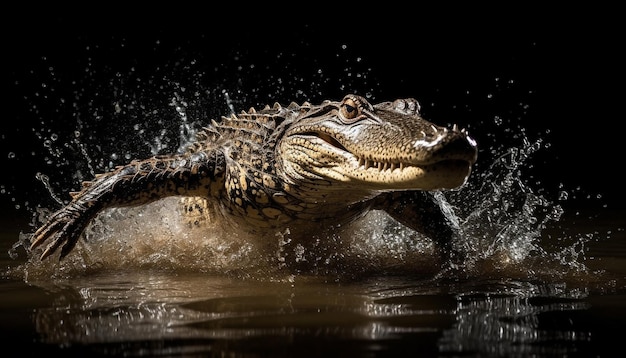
x: 500, y: 217
x: 45, y: 180
x: 504, y: 220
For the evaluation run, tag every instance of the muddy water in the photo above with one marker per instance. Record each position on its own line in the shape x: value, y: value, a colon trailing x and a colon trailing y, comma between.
x: 555, y: 288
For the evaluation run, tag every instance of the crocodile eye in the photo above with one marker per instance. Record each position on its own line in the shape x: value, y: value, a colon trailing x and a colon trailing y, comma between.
x: 349, y: 109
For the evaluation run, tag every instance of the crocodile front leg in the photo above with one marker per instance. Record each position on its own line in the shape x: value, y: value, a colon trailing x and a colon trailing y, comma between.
x: 425, y: 212
x: 139, y: 182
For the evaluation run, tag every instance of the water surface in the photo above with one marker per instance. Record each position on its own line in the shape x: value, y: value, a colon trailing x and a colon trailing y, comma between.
x: 546, y: 304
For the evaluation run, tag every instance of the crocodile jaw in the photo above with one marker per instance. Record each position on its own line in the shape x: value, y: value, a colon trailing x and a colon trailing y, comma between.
x: 445, y: 174
x: 314, y: 158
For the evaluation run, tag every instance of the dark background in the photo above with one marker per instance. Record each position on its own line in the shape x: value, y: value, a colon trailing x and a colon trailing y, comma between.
x: 550, y: 74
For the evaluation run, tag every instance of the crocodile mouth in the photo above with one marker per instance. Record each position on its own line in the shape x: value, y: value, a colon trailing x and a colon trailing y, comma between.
x: 435, y: 171
x: 442, y: 174
x: 465, y: 157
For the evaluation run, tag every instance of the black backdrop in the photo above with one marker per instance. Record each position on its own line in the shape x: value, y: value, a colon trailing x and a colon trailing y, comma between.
x: 549, y: 74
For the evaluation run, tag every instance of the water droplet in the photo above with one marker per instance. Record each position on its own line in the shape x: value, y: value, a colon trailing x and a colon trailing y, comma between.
x: 11, y: 155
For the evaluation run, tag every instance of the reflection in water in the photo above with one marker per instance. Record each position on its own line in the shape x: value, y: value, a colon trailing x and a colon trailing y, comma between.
x: 505, y: 323
x: 145, y: 313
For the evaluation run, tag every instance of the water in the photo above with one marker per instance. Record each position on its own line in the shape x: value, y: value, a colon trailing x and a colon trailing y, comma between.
x: 149, y: 311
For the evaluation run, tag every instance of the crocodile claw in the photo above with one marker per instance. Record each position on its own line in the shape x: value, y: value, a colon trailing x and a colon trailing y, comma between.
x: 63, y: 228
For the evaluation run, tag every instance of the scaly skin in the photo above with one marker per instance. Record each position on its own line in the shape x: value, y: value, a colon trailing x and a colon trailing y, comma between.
x: 292, y: 166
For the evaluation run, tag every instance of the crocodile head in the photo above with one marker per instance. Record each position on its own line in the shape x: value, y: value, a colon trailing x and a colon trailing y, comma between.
x: 387, y: 146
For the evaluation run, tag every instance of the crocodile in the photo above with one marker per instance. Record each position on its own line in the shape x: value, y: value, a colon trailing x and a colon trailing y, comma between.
x: 303, y: 167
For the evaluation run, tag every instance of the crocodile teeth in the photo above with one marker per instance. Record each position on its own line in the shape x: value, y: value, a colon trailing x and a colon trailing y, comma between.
x: 380, y: 166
